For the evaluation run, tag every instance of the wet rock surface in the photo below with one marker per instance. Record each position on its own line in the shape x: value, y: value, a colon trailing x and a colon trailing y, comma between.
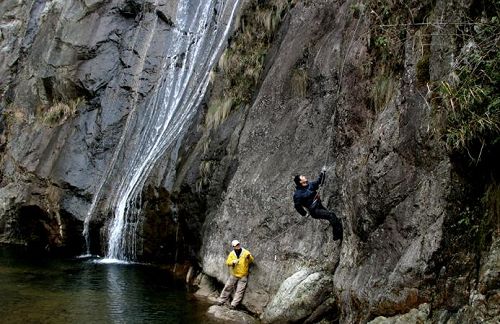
x: 390, y: 179
x: 229, y: 315
x: 92, y: 62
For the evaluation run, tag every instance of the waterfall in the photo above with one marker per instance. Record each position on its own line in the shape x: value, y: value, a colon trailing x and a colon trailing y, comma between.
x: 197, y: 40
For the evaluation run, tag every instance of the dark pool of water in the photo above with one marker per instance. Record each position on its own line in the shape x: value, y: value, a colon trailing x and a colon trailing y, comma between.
x: 40, y: 289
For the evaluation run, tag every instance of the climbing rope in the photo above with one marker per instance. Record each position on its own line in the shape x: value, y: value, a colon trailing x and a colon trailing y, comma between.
x: 341, y: 76
x: 273, y: 268
x: 327, y: 160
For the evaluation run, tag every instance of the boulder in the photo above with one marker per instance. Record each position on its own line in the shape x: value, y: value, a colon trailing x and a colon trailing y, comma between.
x: 298, y: 297
x: 231, y: 316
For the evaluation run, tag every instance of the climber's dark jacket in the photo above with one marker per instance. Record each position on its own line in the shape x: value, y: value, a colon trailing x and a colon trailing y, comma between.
x: 305, y: 196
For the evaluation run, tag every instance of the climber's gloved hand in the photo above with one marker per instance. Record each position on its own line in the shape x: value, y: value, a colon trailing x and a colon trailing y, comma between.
x: 235, y: 262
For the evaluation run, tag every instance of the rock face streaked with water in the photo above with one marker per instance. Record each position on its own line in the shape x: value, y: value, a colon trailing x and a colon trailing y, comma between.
x: 364, y: 112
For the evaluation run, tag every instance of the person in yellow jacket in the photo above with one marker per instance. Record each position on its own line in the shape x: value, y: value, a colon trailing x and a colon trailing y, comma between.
x: 238, y: 261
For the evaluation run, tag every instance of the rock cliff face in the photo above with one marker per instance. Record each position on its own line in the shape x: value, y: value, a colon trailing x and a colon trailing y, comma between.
x: 71, y: 72
x: 341, y: 84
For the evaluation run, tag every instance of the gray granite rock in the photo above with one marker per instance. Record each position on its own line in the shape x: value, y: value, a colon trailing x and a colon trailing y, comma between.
x: 228, y: 315
x: 298, y: 296
x: 390, y: 178
x: 420, y: 315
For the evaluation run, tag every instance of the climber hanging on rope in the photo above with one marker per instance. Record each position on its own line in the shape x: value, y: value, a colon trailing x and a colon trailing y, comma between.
x: 306, y: 196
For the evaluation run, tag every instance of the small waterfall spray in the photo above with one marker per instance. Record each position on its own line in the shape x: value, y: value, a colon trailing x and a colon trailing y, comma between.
x: 201, y: 31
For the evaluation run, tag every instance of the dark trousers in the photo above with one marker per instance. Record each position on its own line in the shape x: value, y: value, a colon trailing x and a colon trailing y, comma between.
x: 320, y: 212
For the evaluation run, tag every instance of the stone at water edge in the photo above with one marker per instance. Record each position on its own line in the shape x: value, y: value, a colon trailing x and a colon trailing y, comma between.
x: 230, y: 315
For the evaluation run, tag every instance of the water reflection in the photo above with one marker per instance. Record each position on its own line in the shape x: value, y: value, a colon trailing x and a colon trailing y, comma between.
x: 118, y: 300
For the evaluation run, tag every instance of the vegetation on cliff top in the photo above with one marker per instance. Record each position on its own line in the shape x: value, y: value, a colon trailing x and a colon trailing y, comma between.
x: 467, y: 102
x: 392, y: 22
x: 470, y: 97
x: 464, y: 96
x: 242, y: 63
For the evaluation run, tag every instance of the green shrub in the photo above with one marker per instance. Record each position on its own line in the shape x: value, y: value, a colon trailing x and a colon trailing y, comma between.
x: 391, y: 22
x: 357, y: 9
x: 241, y: 64
x: 382, y: 42
x: 470, y: 98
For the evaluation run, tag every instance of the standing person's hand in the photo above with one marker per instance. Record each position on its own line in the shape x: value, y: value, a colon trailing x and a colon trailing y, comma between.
x: 235, y: 262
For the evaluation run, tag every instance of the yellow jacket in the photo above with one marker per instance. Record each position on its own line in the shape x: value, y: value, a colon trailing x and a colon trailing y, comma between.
x: 240, y: 269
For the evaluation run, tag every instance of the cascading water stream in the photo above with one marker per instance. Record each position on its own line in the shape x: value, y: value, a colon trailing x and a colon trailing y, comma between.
x: 197, y: 41
x: 137, y: 72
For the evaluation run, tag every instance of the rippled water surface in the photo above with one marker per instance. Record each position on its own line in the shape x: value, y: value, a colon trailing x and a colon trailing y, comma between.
x: 40, y: 289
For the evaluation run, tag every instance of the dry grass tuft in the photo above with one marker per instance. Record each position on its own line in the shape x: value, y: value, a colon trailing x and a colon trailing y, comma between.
x: 60, y: 112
